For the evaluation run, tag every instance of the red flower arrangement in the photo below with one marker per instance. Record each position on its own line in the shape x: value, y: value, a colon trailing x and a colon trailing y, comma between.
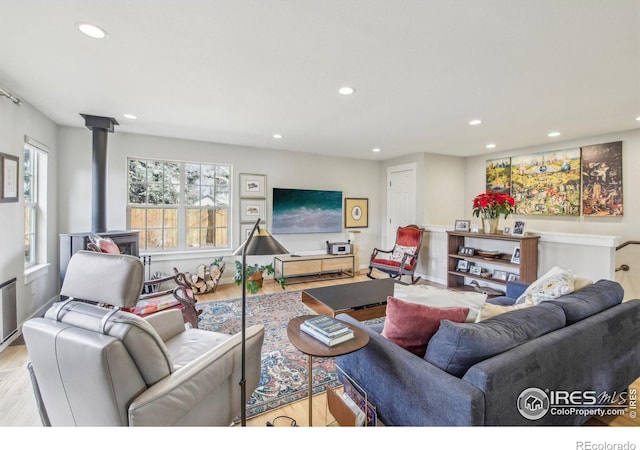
x: 489, y: 205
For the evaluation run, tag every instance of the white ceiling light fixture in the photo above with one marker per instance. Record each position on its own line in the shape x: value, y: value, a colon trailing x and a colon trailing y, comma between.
x: 92, y: 31
x: 130, y: 116
x: 277, y: 136
x: 638, y: 118
x: 376, y: 150
x: 554, y: 134
x: 490, y: 146
x: 346, y: 90
x: 475, y: 122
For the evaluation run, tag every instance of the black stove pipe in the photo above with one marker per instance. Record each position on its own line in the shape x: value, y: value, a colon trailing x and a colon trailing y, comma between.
x: 100, y: 126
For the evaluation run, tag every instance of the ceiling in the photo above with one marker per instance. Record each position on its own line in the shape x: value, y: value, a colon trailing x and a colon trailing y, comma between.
x: 238, y: 71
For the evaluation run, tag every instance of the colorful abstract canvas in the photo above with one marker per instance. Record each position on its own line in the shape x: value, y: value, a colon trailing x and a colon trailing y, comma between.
x: 499, y: 175
x: 602, y: 180
x: 547, y: 183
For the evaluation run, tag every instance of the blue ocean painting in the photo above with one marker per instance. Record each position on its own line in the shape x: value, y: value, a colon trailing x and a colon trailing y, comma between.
x: 306, y: 211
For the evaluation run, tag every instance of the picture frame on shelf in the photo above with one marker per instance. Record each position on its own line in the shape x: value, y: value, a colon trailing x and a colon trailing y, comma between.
x: 507, y: 230
x: 253, y: 185
x: 475, y: 270
x: 9, y: 178
x: 475, y: 228
x: 467, y: 251
x: 356, y: 212
x: 513, y: 277
x: 515, y: 256
x: 500, y: 275
x: 250, y: 210
x: 518, y: 228
x: 463, y: 265
x: 462, y: 225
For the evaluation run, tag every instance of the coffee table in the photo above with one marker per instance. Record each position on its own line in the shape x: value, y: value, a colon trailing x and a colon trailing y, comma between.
x: 363, y: 300
x: 312, y: 347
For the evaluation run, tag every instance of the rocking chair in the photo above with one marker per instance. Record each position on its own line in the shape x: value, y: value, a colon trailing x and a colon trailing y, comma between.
x: 402, y: 259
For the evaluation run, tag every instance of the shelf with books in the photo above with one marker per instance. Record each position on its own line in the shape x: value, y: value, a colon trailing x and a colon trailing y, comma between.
x: 505, y: 257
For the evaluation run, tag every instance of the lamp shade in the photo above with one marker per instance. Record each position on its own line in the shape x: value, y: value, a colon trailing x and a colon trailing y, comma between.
x: 261, y: 242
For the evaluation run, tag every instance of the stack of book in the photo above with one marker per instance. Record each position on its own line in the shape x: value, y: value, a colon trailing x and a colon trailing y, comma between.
x: 327, y: 330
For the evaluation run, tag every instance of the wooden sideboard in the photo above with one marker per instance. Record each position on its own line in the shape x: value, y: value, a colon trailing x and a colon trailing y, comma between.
x: 301, y: 269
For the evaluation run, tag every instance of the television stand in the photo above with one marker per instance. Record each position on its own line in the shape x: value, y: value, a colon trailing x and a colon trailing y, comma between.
x: 306, y: 268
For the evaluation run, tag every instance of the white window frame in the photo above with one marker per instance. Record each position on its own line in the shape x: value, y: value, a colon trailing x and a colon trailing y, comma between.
x: 181, y: 208
x: 38, y: 265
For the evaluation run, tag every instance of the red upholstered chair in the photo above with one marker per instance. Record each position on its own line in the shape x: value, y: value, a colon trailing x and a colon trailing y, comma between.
x: 178, y: 296
x: 402, y: 259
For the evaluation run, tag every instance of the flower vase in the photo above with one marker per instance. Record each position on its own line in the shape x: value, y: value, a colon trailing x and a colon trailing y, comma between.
x: 490, y: 226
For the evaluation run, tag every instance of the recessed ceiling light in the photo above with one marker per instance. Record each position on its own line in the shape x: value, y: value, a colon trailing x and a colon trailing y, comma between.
x: 277, y: 136
x: 346, y: 90
x: 553, y: 134
x: 375, y: 150
x: 638, y: 118
x: 490, y: 145
x: 475, y: 122
x: 129, y: 116
x: 92, y: 31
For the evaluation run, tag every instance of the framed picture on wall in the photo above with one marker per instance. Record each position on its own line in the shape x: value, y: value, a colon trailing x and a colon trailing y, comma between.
x: 356, y: 212
x: 253, y: 185
x: 245, y: 230
x: 8, y: 178
x: 251, y: 210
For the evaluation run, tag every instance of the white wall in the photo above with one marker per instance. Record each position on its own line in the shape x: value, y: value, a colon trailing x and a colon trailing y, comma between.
x: 440, y: 194
x: 355, y: 178
x: 15, y: 123
x: 444, y: 189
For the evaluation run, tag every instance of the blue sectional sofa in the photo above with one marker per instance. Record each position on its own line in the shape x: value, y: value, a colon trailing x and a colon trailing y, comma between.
x: 498, y: 371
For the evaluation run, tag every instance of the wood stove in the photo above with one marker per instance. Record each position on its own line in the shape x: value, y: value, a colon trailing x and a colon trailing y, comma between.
x: 127, y: 241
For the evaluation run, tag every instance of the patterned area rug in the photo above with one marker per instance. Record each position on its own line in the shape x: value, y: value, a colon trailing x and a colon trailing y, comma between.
x: 284, y: 369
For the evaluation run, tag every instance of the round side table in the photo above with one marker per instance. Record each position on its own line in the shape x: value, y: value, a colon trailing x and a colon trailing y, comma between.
x: 312, y: 347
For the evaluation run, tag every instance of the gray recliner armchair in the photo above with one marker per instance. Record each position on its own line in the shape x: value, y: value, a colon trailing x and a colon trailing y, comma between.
x: 97, y: 366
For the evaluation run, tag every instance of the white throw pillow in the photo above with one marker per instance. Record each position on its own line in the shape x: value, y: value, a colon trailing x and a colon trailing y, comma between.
x: 400, y: 250
x: 489, y: 310
x: 581, y: 282
x: 553, y: 284
x: 441, y: 298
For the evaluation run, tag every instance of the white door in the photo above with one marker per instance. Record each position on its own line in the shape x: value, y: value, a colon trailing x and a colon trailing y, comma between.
x: 401, y: 199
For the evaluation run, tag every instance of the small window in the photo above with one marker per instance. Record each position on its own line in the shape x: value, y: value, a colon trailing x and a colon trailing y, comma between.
x: 35, y: 200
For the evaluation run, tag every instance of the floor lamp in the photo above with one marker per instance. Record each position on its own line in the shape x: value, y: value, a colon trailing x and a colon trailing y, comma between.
x: 259, y: 242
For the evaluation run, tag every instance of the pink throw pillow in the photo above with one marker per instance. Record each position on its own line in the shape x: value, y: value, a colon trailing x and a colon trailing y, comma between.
x: 108, y: 246
x: 411, y: 325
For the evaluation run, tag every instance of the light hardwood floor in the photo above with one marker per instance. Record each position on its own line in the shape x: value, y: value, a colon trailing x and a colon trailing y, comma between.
x: 18, y: 408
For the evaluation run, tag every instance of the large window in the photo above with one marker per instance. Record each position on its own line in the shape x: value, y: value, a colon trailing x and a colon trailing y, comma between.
x: 179, y: 205
x: 35, y: 201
